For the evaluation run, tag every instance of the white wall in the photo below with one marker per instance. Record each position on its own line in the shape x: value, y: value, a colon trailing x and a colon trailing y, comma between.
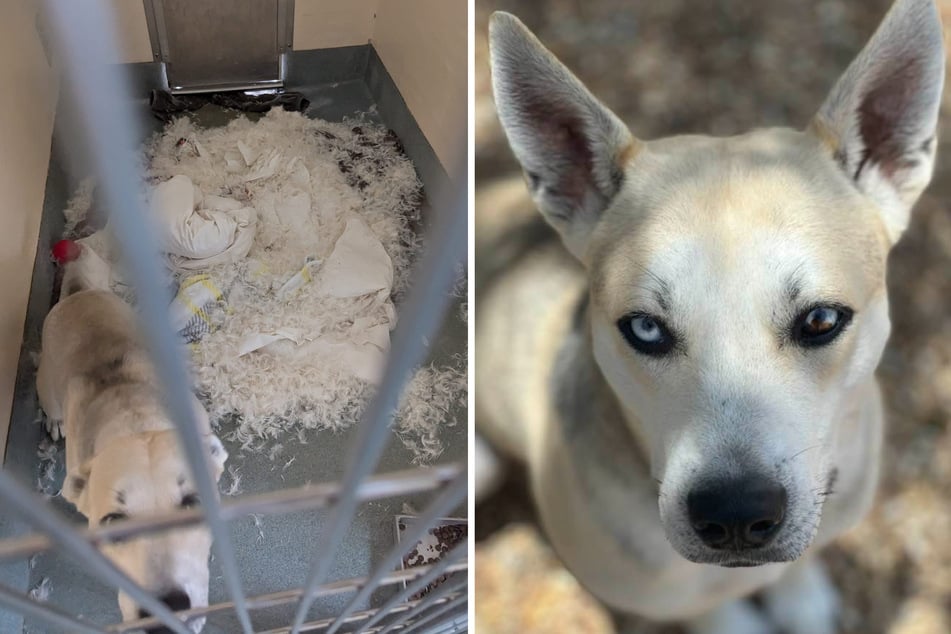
x: 423, y: 44
x: 133, y: 31
x: 26, y: 128
x: 333, y: 23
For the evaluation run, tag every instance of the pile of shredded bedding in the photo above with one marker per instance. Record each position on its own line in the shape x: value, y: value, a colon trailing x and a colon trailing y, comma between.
x: 308, y: 181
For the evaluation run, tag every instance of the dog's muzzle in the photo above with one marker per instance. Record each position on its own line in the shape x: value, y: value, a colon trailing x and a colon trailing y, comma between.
x: 737, y: 515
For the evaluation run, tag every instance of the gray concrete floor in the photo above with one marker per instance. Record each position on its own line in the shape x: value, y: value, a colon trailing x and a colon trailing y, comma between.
x: 274, y: 555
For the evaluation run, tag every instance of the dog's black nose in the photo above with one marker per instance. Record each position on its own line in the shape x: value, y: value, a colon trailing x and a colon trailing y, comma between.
x: 737, y: 514
x: 175, y: 600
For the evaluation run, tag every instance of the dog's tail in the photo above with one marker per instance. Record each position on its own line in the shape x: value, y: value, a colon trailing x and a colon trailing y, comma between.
x: 82, y: 268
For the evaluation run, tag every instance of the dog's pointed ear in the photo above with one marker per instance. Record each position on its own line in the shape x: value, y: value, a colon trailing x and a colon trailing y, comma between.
x: 880, y: 120
x: 572, y: 148
x: 218, y: 455
x: 76, y: 485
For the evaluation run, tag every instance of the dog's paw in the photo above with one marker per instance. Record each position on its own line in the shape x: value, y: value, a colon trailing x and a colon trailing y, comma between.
x: 55, y: 429
x: 735, y: 617
x: 803, y: 601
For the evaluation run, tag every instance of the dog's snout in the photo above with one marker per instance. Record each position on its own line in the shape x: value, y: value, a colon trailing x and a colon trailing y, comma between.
x: 738, y: 514
x: 175, y: 600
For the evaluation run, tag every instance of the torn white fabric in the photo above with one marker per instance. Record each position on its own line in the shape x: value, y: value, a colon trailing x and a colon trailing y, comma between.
x: 202, y: 231
x: 358, y: 264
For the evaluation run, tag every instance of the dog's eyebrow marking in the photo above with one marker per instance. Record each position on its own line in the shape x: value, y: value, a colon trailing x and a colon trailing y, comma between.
x: 831, y: 480
x: 120, y: 498
x: 181, y: 480
x: 792, y: 288
x: 660, y: 289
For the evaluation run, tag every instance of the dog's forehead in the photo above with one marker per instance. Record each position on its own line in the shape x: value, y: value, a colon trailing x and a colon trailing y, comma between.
x: 138, y: 471
x: 756, y: 211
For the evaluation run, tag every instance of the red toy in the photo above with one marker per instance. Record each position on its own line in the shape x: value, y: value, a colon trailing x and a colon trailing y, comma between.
x: 66, y: 251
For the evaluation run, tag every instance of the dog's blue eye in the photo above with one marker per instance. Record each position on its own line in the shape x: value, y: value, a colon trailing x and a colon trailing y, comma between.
x: 820, y: 325
x: 646, y: 334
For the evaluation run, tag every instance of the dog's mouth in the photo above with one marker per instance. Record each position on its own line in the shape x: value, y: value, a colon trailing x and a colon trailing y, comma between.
x: 741, y: 563
x: 740, y: 559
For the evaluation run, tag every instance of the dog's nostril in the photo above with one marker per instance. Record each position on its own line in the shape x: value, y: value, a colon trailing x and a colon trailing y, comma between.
x: 712, y: 534
x: 760, y: 532
x: 175, y: 600
x: 763, y: 527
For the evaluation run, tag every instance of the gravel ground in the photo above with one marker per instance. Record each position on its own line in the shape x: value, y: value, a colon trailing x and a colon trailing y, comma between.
x: 720, y: 67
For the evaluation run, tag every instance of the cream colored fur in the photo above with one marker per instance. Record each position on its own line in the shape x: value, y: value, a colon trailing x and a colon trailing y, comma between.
x: 99, y: 390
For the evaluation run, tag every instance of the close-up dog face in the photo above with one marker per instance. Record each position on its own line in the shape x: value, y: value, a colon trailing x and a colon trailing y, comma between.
x: 141, y: 475
x: 737, y: 285
x: 737, y: 303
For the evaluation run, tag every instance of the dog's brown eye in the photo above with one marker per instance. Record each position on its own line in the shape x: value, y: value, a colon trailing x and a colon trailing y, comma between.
x: 189, y: 501
x: 646, y: 334
x: 112, y: 517
x: 820, y: 325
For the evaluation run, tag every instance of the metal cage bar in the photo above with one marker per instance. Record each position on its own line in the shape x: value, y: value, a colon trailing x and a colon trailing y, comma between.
x: 284, y: 597
x: 421, y: 317
x: 430, y: 600
x: 271, y: 503
x: 320, y: 624
x: 46, y: 613
x: 449, y: 498
x: 31, y: 507
x: 421, y: 582
x: 87, y: 39
x: 449, y: 607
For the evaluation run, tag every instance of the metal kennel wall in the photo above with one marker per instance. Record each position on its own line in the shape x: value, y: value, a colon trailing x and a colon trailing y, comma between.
x: 107, y: 140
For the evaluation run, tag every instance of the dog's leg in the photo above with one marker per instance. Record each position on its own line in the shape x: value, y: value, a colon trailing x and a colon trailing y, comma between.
x: 489, y: 470
x: 803, y: 601
x: 52, y: 408
x: 733, y: 617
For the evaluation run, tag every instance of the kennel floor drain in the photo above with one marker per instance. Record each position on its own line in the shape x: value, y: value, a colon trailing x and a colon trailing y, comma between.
x: 439, y: 540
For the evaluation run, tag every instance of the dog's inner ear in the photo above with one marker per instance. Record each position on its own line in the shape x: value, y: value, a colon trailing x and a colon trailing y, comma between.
x: 572, y: 148
x: 881, y: 117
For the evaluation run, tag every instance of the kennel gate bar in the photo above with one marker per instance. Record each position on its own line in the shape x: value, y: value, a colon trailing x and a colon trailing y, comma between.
x: 107, y: 138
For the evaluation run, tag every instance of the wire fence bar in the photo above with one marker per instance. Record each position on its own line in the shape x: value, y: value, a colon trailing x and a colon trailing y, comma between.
x: 284, y: 597
x: 439, y: 568
x: 43, y: 612
x: 452, y: 625
x: 432, y: 616
x: 32, y: 508
x: 303, y: 498
x: 421, y: 316
x: 428, y: 601
x: 87, y: 37
x: 320, y: 624
x: 446, y: 500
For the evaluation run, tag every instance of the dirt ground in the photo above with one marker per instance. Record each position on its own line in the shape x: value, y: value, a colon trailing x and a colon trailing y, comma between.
x: 720, y: 67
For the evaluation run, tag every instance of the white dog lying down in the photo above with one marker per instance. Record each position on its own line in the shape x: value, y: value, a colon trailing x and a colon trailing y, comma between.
x: 98, y: 388
x: 688, y: 372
